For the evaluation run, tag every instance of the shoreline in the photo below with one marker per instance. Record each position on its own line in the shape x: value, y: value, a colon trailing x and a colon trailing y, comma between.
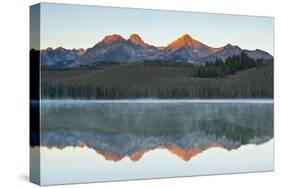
x: 247, y: 101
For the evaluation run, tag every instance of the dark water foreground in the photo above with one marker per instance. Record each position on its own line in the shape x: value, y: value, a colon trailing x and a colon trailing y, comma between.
x: 119, y: 129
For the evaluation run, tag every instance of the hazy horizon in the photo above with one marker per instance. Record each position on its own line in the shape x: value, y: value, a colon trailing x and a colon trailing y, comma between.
x: 80, y: 26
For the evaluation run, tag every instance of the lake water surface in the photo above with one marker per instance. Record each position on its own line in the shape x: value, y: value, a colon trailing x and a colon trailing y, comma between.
x: 87, y: 141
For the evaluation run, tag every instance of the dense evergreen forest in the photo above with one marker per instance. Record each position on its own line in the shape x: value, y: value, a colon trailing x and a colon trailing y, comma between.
x: 219, y: 68
x: 238, y: 76
x: 88, y: 91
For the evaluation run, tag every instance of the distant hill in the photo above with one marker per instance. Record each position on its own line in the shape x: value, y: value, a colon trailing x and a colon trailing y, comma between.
x: 115, y: 48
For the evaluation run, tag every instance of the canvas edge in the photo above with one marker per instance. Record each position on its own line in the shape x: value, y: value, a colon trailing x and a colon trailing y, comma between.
x: 34, y: 94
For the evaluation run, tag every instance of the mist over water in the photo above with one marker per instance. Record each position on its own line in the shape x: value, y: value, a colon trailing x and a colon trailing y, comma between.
x: 118, y: 124
x: 130, y: 129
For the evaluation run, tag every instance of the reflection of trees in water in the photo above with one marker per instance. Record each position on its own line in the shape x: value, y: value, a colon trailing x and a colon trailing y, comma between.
x: 221, y: 128
x: 125, y: 128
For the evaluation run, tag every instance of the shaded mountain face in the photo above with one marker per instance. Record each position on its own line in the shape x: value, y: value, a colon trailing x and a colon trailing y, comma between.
x: 136, y: 40
x: 224, y: 52
x: 61, y: 57
x: 115, y: 48
x: 231, y: 50
x: 258, y: 54
x: 188, y: 49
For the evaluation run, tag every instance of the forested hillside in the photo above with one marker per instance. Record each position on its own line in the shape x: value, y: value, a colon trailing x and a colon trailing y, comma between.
x: 238, y: 76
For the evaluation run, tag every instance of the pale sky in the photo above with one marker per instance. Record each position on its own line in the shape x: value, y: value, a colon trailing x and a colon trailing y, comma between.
x: 79, y: 26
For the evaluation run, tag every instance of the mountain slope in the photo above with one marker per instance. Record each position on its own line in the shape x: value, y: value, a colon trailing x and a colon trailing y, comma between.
x: 225, y: 52
x: 61, y: 57
x: 116, y: 48
x: 258, y: 54
x: 188, y: 48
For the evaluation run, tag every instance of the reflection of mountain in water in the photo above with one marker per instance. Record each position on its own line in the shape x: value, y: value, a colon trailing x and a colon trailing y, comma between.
x: 117, y: 130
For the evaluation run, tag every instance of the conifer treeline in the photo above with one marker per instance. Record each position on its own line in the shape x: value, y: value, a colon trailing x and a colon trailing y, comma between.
x: 233, y: 64
x: 60, y: 90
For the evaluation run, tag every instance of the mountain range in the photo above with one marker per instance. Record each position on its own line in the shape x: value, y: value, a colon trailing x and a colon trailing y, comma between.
x: 115, y: 48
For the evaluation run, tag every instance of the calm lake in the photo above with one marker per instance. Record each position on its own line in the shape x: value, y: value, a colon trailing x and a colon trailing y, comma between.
x: 89, y: 141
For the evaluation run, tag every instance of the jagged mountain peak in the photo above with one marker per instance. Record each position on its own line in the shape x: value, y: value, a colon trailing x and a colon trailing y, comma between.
x: 112, y: 38
x: 258, y: 54
x: 79, y: 50
x: 48, y: 49
x: 185, y: 41
x: 136, y: 39
x: 229, y: 45
x: 60, y: 49
x: 186, y: 37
